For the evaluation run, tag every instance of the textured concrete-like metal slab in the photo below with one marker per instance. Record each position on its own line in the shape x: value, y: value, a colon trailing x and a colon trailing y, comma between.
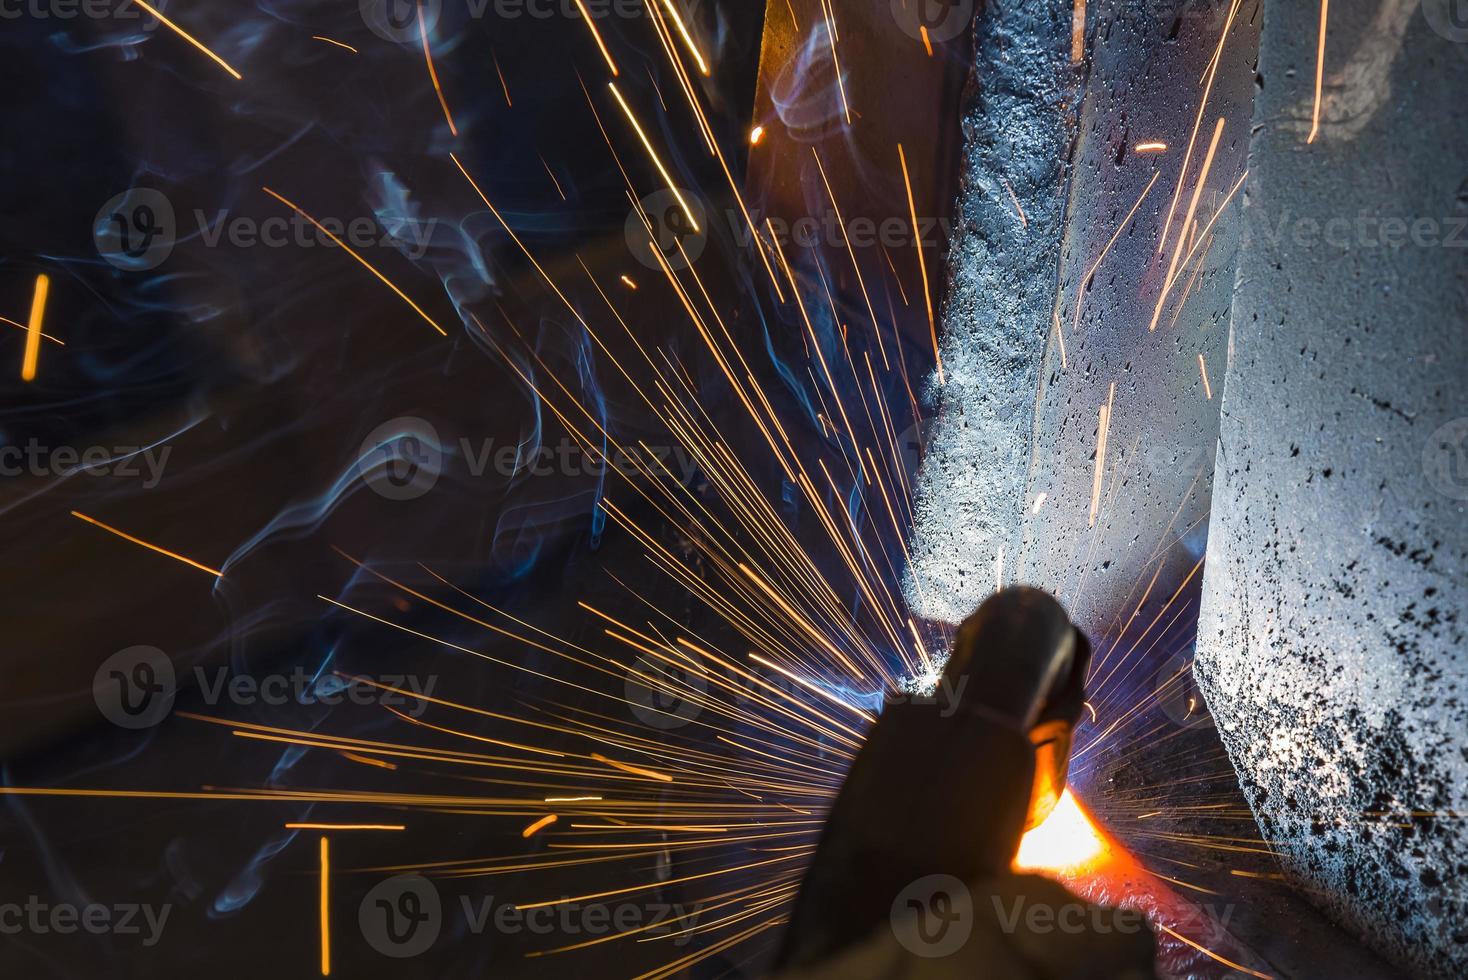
x: 1331, y: 649
x: 1019, y: 126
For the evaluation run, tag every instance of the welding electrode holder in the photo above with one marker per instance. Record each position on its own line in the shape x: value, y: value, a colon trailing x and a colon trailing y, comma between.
x: 949, y: 785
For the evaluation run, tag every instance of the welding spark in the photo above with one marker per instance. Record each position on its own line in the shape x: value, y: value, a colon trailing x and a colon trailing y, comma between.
x: 149, y: 8
x: 33, y: 328
x: 600, y: 44
x: 433, y: 72
x: 367, y: 265
x: 322, y: 37
x: 325, y: 902
x: 151, y: 547
x: 656, y: 160
x: 1319, y: 72
x: 538, y: 826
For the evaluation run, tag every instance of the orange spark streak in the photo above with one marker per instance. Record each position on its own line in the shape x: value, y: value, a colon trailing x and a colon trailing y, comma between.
x: 1208, y: 952
x: 661, y: 777
x: 151, y: 547
x: 1182, y: 237
x: 433, y: 72
x: 1153, y: 146
x: 1211, y: 75
x: 1319, y: 71
x: 703, y: 66
x: 755, y: 135
x: 1103, y: 432
x: 321, y: 37
x: 368, y: 265
x: 33, y: 328
x: 325, y: 906
x: 1203, y: 369
x: 1078, y: 32
x: 1023, y: 220
x: 628, y: 280
x: 657, y: 162
x: 1081, y: 290
x: 539, y: 825
x: 21, y: 326
x: 187, y: 37
x: 922, y: 262
x: 344, y: 826
x: 927, y: 41
x: 586, y: 16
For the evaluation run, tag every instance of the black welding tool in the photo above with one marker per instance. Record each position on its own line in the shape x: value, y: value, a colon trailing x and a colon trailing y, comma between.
x: 948, y: 784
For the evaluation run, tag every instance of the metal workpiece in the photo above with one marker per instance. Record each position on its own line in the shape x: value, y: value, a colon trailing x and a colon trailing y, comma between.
x: 1330, y: 647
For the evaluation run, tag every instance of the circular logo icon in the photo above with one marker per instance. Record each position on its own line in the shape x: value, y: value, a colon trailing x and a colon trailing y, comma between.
x: 662, y: 695
x: 135, y: 688
x: 402, y: 916
x: 401, y: 459
x: 1449, y: 18
x: 680, y: 229
x: 1445, y: 459
x: 943, y: 20
x: 136, y: 230
x: 912, y: 445
x: 933, y: 916
x: 1177, y: 693
x: 398, y: 20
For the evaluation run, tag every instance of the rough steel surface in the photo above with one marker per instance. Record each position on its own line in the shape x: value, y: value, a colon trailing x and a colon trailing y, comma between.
x: 1331, y: 644
x: 1019, y: 126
